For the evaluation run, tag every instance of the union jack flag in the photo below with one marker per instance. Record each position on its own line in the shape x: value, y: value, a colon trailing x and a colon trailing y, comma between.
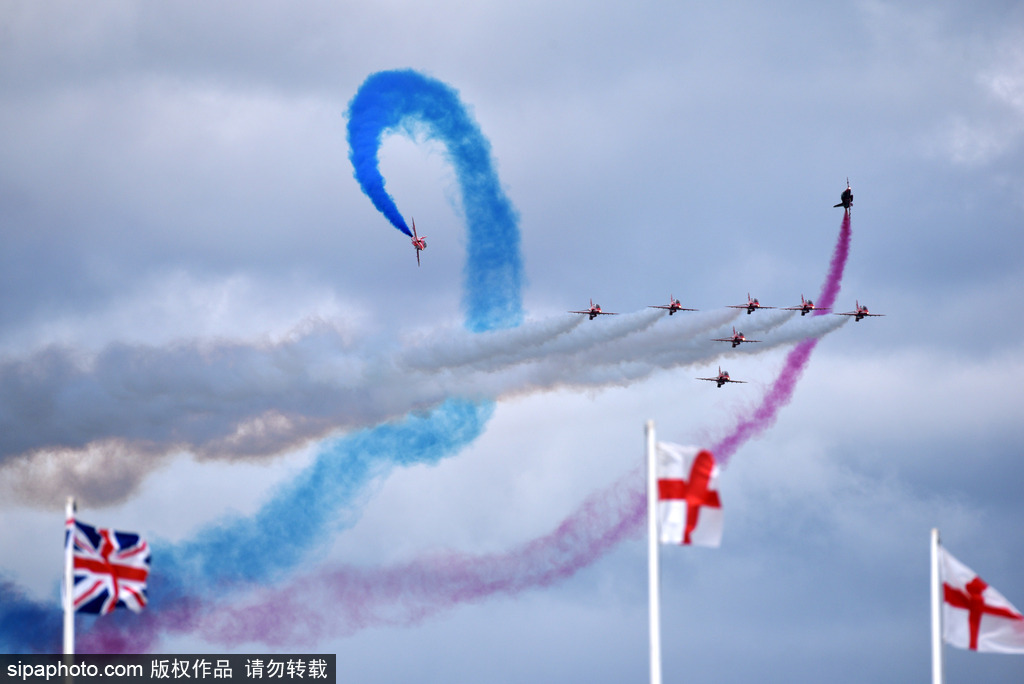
x: 110, y: 569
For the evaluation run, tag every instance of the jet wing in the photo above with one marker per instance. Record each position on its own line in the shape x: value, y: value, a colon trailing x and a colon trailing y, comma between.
x: 670, y: 308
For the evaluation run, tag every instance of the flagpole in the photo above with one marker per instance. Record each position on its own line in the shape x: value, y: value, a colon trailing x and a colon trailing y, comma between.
x: 654, y: 599
x: 936, y: 611
x: 69, y: 576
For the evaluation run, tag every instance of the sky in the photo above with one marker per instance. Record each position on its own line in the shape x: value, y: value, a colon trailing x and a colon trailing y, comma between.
x: 211, y: 336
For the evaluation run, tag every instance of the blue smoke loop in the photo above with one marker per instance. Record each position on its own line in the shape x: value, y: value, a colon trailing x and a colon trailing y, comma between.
x: 406, y: 101
x: 325, y: 497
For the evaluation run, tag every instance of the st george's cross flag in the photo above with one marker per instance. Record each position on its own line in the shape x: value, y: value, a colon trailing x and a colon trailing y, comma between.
x: 689, y: 508
x: 110, y: 569
x: 974, y: 615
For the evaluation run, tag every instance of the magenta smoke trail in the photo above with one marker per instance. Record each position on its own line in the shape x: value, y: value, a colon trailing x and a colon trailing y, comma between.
x: 342, y: 600
x: 345, y: 599
x: 781, y: 390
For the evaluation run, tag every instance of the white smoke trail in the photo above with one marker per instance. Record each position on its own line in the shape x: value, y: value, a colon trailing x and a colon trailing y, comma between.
x: 130, y: 405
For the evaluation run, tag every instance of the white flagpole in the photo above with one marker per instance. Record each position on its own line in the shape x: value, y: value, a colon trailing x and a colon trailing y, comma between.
x: 936, y: 611
x: 654, y: 599
x: 69, y: 577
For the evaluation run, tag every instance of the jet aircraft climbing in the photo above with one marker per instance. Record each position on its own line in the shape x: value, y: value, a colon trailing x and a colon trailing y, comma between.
x: 846, y: 199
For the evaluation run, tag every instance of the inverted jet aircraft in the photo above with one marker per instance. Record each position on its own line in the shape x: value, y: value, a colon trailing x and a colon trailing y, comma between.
x: 672, y: 306
x: 751, y: 306
x: 860, y: 313
x: 723, y: 377
x: 805, y: 306
x: 594, y: 311
x: 846, y: 199
x: 736, y: 339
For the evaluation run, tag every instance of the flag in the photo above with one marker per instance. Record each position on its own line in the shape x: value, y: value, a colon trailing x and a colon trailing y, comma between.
x: 689, y: 508
x: 974, y: 615
x: 110, y: 569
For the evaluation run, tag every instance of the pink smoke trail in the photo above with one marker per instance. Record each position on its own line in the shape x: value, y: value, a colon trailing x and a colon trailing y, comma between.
x: 344, y: 599
x: 781, y: 390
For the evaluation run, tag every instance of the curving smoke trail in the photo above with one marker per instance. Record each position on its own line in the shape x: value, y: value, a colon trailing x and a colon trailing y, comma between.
x: 225, y: 555
x: 781, y: 390
x: 407, y: 593
x: 326, y: 497
x: 323, y: 498
x: 183, y: 589
x: 133, y: 404
x: 409, y: 102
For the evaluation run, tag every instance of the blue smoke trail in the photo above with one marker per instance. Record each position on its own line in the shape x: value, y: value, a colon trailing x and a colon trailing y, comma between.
x: 28, y: 626
x: 301, y: 514
x: 396, y: 101
x: 320, y: 500
x: 323, y: 498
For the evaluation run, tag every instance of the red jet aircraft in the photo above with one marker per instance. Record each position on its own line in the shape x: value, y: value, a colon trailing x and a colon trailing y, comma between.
x: 723, y: 377
x: 846, y: 199
x: 672, y: 307
x: 805, y: 306
x: 860, y: 313
x: 736, y: 339
x: 751, y: 305
x: 594, y: 311
x: 420, y: 243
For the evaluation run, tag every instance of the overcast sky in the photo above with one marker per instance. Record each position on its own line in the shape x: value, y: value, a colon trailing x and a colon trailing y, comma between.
x: 199, y: 305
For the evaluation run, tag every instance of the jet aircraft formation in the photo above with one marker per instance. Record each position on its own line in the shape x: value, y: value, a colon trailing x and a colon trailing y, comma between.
x: 752, y: 305
x: 674, y: 305
x: 737, y: 338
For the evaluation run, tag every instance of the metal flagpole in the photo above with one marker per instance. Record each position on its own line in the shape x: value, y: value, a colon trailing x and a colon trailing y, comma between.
x: 69, y: 577
x: 936, y: 611
x: 654, y: 599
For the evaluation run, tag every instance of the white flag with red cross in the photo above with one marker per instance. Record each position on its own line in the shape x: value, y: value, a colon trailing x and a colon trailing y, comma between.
x: 689, y: 508
x: 974, y: 615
